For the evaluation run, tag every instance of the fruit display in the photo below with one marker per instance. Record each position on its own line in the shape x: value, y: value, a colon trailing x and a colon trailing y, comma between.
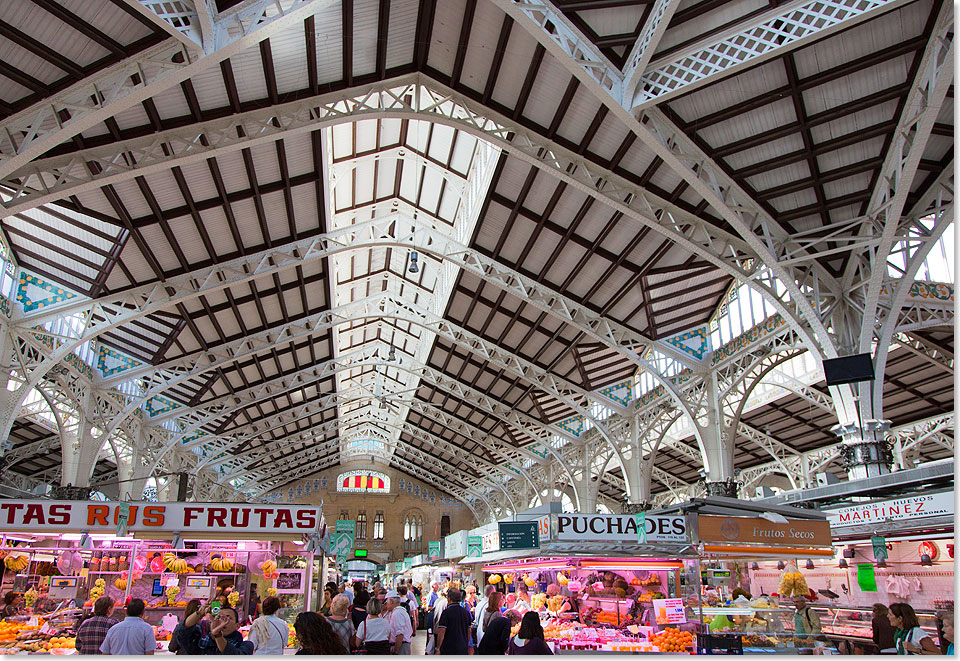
x: 269, y: 569
x: 609, y: 584
x: 98, y: 589
x: 793, y: 583
x: 271, y: 592
x: 599, y: 616
x: 554, y: 603
x: 224, y: 565
x: 494, y: 579
x: 672, y: 641
x: 558, y: 630
x: 233, y: 599
x: 16, y: 561
x: 538, y: 601
x: 30, y: 597
x: 562, y: 579
x: 175, y: 564
x: 529, y: 582
x: 508, y: 579
x: 172, y: 593
x: 120, y: 583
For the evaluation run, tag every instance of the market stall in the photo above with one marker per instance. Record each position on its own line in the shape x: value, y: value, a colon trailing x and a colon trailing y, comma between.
x: 740, y: 611
x: 914, y: 536
x: 610, y: 583
x: 64, y: 555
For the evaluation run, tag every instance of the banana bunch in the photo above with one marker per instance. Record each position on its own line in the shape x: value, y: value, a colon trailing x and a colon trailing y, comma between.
x: 268, y: 567
x: 508, y: 579
x: 494, y: 579
x: 271, y: 592
x: 30, y: 596
x: 16, y: 561
x: 121, y: 583
x: 173, y: 563
x: 793, y: 583
x: 562, y: 579
x: 223, y: 565
x: 99, y: 587
x: 529, y: 582
x: 554, y: 603
x: 172, y: 593
x: 233, y: 599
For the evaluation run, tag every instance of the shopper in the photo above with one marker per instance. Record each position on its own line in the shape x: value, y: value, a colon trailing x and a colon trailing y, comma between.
x: 132, y: 635
x: 406, y: 596
x: 401, y: 629
x: 496, y: 638
x: 947, y: 630
x: 908, y: 637
x: 342, y: 625
x: 328, y: 596
x: 91, y: 633
x: 11, y: 604
x: 494, y: 604
x: 373, y: 634
x: 359, y: 611
x: 269, y: 634
x: 192, y: 607
x: 253, y: 603
x: 453, y: 628
x: 471, y: 598
x: 431, y: 601
x: 529, y: 640
x: 316, y: 636
x: 438, y: 607
x: 223, y: 637
x: 806, y: 621
x: 882, y: 629
x: 481, y: 607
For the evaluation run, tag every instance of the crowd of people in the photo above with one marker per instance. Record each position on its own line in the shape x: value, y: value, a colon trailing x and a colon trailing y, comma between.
x: 379, y: 620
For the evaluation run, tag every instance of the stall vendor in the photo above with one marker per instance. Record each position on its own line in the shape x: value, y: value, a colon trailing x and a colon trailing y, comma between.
x: 12, y: 604
x: 553, y: 590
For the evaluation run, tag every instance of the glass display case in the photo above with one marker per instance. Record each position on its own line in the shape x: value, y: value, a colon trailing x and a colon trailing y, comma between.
x: 763, y: 643
x: 855, y: 623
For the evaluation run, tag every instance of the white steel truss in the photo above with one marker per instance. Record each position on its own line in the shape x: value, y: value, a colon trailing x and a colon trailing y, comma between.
x: 37, y: 129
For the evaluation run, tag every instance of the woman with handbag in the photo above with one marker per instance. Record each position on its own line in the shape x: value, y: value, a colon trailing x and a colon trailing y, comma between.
x: 374, y: 632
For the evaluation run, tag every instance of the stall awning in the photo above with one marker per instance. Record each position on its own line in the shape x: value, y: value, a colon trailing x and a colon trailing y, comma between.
x: 589, y: 549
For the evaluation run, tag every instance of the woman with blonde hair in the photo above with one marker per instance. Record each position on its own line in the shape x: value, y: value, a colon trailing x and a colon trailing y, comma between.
x: 342, y: 625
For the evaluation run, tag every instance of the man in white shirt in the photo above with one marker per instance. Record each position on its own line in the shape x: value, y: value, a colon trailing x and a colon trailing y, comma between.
x: 132, y: 636
x: 401, y: 627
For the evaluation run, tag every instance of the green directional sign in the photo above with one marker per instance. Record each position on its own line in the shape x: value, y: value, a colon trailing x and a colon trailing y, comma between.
x: 433, y: 552
x: 474, y: 547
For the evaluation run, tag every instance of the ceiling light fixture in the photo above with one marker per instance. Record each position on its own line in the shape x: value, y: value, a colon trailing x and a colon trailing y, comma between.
x: 843, y: 563
x: 413, y: 268
x: 392, y: 355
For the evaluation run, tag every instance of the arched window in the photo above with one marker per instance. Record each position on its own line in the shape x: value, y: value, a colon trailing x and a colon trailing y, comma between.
x: 361, y: 525
x: 378, y: 526
x: 406, y: 529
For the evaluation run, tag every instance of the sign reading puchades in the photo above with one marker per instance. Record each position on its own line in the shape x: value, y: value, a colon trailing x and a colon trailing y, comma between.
x: 620, y: 528
x: 99, y: 517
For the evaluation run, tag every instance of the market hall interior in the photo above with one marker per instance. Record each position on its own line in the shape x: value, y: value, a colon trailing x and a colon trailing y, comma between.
x: 636, y: 313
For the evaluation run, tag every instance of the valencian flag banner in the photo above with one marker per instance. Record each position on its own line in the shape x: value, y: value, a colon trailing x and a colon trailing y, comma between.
x: 362, y: 482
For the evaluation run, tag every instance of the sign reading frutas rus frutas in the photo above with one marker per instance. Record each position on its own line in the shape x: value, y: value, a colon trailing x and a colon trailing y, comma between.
x: 85, y: 516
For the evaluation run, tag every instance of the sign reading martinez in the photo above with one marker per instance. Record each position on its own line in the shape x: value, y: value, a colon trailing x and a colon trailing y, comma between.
x: 895, y: 509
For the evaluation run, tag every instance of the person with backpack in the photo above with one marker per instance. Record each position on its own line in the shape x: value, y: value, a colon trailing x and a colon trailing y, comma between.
x: 374, y: 632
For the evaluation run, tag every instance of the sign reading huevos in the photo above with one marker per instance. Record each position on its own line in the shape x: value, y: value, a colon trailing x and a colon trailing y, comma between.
x: 897, y: 509
x: 619, y: 528
x: 64, y: 516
